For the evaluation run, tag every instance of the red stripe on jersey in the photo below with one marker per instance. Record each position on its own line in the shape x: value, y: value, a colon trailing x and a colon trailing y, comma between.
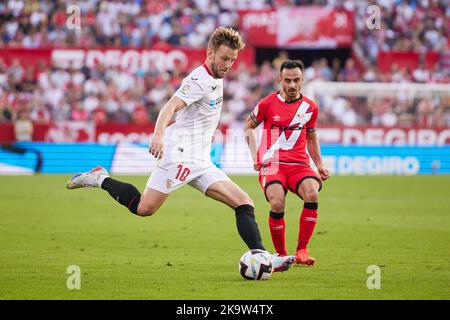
x: 285, y: 129
x: 207, y: 70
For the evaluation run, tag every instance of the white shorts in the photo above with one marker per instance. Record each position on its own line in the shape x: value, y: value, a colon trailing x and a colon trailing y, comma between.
x: 168, y: 177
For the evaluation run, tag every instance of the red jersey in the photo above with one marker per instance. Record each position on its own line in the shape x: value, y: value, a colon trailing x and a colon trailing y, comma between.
x: 285, y: 127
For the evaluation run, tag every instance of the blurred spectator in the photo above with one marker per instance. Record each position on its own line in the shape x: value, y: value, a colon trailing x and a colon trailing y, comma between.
x: 312, y: 73
x: 23, y: 127
x: 421, y: 74
x: 78, y: 113
x: 370, y: 75
x: 335, y: 67
x: 425, y: 113
x: 439, y: 74
x: 120, y: 96
x: 99, y: 115
x: 140, y: 115
x: 406, y: 25
x: 40, y: 114
x: 6, y: 113
x: 349, y: 117
x: 399, y: 75
x: 349, y: 73
x: 15, y: 71
x: 382, y: 113
x: 120, y: 115
x: 278, y: 60
x: 325, y: 71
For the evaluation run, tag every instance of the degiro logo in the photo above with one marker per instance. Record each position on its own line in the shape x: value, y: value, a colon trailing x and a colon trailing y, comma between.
x: 378, y: 165
x: 214, y: 103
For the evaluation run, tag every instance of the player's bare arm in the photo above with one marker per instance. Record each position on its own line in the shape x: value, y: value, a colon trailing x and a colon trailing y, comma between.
x: 165, y: 115
x: 250, y: 137
x: 314, y: 151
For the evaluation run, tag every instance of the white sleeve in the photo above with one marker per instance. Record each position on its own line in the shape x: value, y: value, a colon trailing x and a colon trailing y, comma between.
x: 190, y: 91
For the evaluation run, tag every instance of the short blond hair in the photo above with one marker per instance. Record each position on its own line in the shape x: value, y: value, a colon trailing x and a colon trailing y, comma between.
x: 226, y: 36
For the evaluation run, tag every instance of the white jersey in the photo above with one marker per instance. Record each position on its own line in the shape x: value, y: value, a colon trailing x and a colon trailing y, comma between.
x: 189, y: 138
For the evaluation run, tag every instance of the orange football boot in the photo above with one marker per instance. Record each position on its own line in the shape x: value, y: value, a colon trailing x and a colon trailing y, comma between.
x: 303, y: 258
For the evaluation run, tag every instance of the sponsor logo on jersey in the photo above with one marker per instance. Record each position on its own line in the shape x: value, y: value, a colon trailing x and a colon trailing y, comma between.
x: 214, y: 87
x: 276, y: 118
x: 185, y: 89
x: 194, y: 79
x: 215, y: 102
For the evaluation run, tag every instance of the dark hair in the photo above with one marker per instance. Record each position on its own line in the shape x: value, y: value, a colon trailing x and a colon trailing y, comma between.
x: 292, y: 64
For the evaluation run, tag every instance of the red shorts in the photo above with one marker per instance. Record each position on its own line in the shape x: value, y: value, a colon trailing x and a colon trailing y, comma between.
x: 290, y: 176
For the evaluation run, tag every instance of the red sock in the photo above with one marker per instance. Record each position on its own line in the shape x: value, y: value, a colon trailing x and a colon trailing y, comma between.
x: 307, y: 224
x: 277, y: 228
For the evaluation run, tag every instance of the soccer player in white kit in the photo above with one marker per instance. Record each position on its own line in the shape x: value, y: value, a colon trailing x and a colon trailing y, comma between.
x: 183, y: 148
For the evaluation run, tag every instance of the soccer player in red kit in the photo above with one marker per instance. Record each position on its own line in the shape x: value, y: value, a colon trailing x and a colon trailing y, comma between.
x: 281, y: 159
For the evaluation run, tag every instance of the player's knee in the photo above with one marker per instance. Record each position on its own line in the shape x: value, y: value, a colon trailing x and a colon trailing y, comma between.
x: 146, y: 210
x: 276, y: 204
x: 311, y: 195
x: 244, y: 199
x: 249, y: 201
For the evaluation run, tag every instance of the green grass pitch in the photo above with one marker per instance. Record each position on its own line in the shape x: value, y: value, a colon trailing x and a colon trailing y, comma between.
x: 190, y: 249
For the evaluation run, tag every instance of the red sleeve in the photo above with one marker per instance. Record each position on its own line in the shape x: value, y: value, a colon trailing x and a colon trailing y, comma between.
x: 311, y: 124
x: 259, y: 113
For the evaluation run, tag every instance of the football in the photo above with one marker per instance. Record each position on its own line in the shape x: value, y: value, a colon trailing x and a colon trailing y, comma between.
x: 256, y: 265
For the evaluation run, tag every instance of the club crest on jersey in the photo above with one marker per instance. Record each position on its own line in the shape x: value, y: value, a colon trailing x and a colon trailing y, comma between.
x: 169, y: 183
x: 301, y: 117
x: 185, y: 89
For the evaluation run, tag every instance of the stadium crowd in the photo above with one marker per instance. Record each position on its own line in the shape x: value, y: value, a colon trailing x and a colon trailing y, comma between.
x: 113, y: 94
x: 418, y: 25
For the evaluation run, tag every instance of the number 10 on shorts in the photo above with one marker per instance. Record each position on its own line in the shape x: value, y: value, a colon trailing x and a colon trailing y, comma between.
x: 182, y: 173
